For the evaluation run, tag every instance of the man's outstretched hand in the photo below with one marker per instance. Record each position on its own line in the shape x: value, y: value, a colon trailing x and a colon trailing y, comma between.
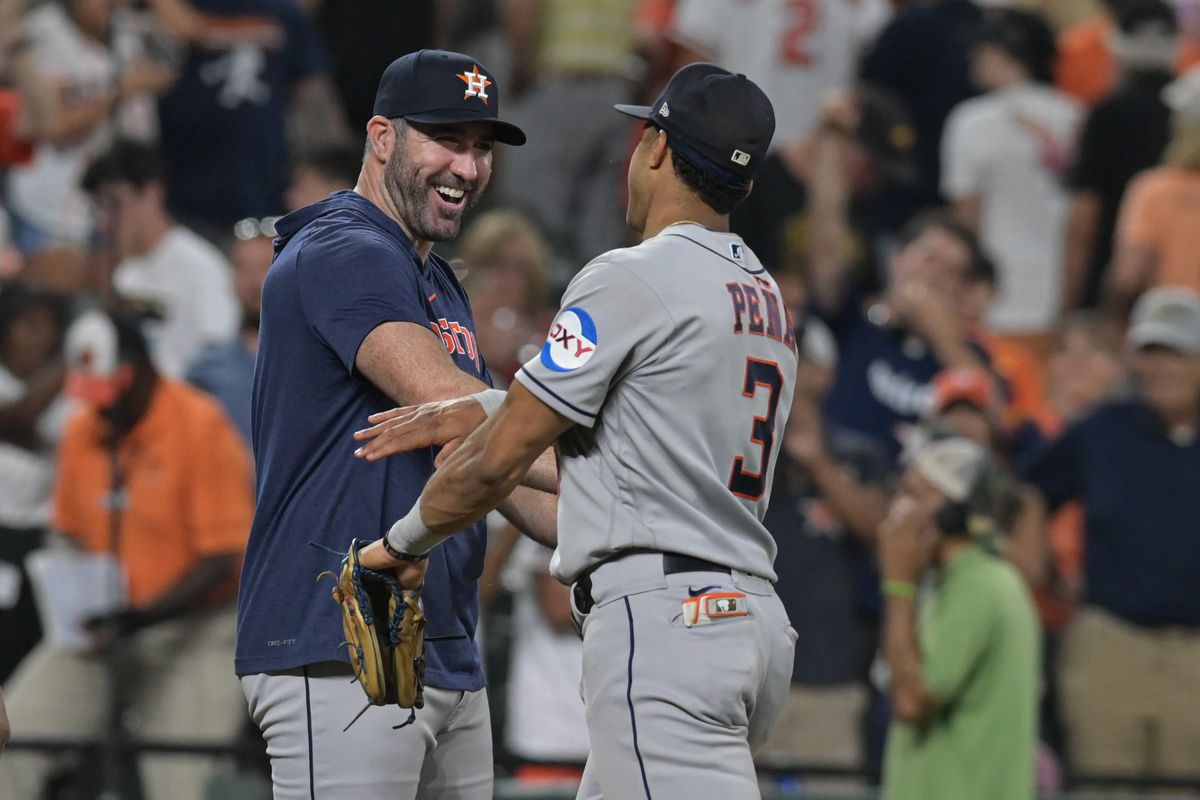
x: 400, y: 430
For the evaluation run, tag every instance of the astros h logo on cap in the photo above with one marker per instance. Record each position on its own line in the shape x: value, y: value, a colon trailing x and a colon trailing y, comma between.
x: 477, y: 84
x: 428, y: 87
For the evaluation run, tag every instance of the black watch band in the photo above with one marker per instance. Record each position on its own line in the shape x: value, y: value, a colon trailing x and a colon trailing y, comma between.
x: 396, y: 554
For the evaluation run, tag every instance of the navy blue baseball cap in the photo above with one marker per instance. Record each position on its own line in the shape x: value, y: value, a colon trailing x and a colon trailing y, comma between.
x: 719, y: 121
x: 439, y: 87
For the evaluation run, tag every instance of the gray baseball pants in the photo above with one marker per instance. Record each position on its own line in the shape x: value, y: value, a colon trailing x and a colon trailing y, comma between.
x: 676, y: 711
x: 446, y: 754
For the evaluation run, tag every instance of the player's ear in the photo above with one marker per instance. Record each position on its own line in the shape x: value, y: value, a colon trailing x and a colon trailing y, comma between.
x: 658, y: 151
x: 381, y: 138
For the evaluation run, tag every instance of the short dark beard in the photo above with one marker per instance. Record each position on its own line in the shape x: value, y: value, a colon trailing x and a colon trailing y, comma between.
x: 410, y: 194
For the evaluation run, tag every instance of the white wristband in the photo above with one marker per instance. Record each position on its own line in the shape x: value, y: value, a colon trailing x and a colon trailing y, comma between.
x: 490, y: 399
x: 410, y: 535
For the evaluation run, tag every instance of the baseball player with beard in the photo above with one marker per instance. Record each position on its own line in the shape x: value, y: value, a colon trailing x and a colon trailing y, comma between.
x: 666, y: 382
x: 358, y: 315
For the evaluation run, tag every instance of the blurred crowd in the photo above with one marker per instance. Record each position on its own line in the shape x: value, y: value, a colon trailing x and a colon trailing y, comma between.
x: 985, y: 219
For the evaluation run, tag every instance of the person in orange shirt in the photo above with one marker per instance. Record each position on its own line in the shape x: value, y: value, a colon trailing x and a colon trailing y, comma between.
x: 183, y: 496
x: 1158, y: 230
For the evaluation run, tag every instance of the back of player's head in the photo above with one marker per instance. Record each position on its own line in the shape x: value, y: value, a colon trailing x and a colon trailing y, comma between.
x: 719, y: 126
x: 126, y: 162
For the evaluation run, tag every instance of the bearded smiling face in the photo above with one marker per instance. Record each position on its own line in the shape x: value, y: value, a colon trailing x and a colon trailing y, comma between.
x: 435, y: 173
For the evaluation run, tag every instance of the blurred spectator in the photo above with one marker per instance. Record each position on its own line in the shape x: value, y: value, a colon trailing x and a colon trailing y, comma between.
x: 1020, y: 372
x: 874, y: 148
x: 1125, y: 133
x: 364, y: 36
x: 570, y: 58
x: 921, y: 56
x: 891, y: 347
x: 179, y: 283
x: 32, y: 414
x: 545, y: 718
x: 507, y: 265
x: 658, y: 50
x: 318, y: 174
x: 83, y: 78
x: 966, y: 404
x: 798, y: 51
x: 1003, y: 155
x: 829, y: 498
x: 179, y: 538
x: 1158, y: 231
x: 1135, y: 465
x: 15, y: 148
x: 965, y: 676
x: 1089, y: 57
x: 224, y: 125
x: 1084, y: 370
x: 226, y: 369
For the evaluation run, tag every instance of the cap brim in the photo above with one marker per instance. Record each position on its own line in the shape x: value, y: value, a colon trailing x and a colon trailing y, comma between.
x: 640, y: 112
x: 1155, y: 334
x: 506, y: 132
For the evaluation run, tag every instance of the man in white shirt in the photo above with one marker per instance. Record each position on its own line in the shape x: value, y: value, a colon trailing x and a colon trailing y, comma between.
x: 179, y: 283
x: 1003, y: 157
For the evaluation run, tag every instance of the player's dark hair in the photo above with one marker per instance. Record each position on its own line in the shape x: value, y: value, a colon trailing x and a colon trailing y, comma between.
x: 720, y: 196
x: 126, y: 162
x: 980, y: 268
x: 337, y: 164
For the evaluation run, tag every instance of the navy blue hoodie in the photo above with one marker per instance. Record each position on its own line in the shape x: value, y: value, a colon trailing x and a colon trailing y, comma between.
x: 342, y: 267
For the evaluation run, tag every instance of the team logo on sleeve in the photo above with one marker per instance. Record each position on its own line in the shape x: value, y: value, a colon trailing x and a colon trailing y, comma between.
x: 571, y: 342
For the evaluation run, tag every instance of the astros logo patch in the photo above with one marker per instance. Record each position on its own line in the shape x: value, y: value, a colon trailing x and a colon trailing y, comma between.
x: 477, y: 84
x: 571, y: 342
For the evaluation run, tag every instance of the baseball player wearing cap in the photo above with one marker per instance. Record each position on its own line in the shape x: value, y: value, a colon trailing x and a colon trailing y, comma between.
x: 666, y: 381
x: 358, y: 315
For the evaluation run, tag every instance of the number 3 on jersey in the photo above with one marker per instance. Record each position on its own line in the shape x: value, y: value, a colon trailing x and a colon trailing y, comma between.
x: 752, y: 485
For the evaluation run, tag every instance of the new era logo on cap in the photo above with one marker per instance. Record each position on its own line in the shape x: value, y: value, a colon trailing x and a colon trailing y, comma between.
x: 740, y: 158
x: 664, y: 111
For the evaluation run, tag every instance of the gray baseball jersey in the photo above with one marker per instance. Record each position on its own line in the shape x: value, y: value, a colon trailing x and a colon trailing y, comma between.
x: 677, y: 360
